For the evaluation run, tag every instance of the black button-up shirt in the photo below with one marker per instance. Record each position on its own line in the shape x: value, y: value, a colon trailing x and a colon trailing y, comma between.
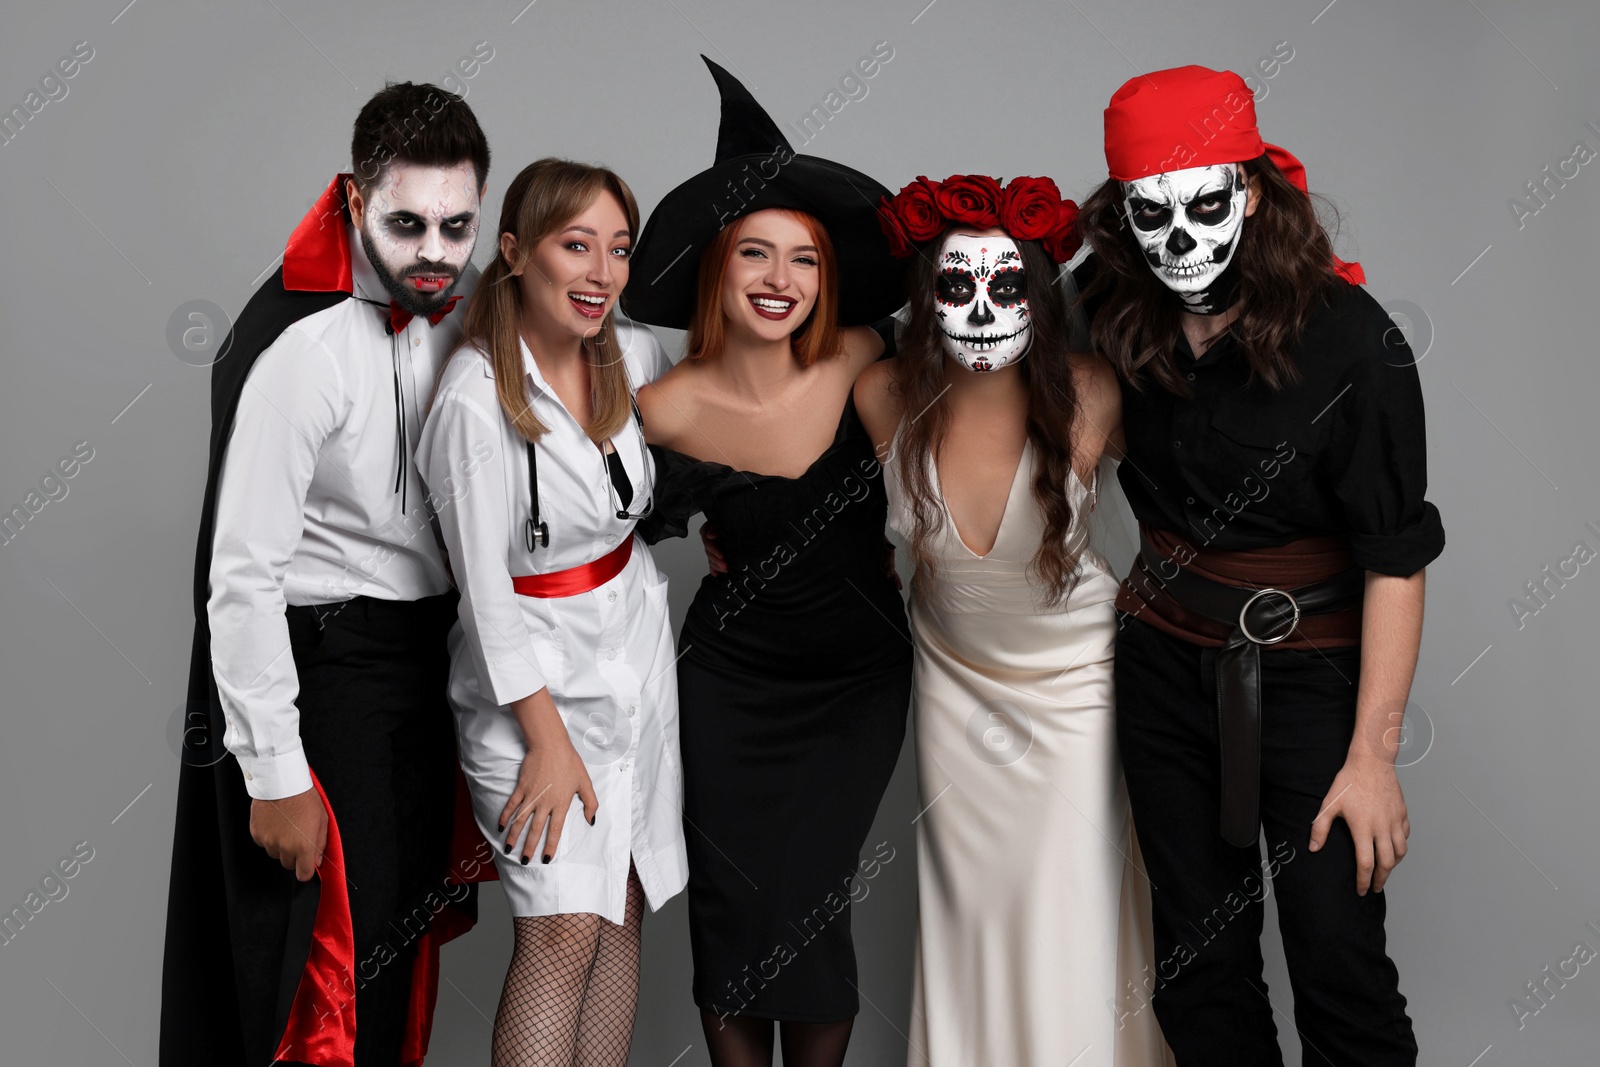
x: 1342, y: 450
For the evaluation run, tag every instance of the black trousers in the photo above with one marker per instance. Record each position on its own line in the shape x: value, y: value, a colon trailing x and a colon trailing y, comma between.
x: 379, y: 735
x: 1209, y: 995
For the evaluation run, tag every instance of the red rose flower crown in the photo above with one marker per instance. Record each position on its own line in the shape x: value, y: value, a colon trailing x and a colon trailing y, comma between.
x: 1029, y: 209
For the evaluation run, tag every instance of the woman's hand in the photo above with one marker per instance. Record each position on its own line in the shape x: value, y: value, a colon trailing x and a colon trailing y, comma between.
x: 551, y: 774
x: 1366, y: 794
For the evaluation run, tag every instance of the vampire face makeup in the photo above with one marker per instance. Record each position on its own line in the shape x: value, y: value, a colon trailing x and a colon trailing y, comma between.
x: 1188, y: 223
x: 773, y: 276
x: 982, y: 301
x: 418, y: 225
x: 574, y: 276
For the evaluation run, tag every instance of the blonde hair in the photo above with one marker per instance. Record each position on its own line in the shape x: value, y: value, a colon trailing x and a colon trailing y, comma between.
x: 540, y: 201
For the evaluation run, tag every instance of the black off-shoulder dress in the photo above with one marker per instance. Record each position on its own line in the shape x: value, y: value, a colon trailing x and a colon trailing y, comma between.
x: 794, y: 681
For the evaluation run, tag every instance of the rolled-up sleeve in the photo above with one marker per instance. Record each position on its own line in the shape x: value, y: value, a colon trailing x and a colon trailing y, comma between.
x: 1379, y: 464
x: 462, y: 459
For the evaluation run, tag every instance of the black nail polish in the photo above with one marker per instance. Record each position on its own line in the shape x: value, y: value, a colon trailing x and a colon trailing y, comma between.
x: 525, y: 861
x: 546, y: 859
x: 591, y: 819
x: 502, y: 827
x: 508, y: 850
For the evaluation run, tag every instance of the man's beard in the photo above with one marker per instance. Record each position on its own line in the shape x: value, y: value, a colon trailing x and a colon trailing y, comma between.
x: 418, y: 303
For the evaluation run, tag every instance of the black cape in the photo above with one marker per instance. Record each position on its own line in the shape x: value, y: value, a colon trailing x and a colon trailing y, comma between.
x: 238, y: 924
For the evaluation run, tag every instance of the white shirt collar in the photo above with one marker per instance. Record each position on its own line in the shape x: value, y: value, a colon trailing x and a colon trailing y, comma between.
x: 531, y: 365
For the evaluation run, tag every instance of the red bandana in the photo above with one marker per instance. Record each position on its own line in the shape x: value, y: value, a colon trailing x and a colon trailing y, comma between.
x: 1192, y: 117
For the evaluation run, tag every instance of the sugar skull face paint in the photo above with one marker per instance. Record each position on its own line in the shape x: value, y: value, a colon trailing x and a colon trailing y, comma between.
x: 418, y: 225
x: 982, y: 295
x: 1188, y: 224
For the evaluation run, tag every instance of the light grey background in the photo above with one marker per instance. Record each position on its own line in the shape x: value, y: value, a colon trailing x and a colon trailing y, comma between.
x: 187, y: 148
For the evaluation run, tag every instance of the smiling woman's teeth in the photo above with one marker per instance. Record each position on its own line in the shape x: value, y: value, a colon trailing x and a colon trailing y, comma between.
x: 770, y: 305
x: 585, y: 299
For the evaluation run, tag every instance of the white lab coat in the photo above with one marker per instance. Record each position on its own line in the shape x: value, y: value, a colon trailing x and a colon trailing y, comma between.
x: 606, y: 655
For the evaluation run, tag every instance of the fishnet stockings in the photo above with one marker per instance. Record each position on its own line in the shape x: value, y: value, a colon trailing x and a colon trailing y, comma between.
x: 738, y: 1041
x: 571, y: 989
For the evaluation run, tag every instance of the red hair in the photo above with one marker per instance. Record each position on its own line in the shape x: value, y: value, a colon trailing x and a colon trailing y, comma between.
x: 812, y: 340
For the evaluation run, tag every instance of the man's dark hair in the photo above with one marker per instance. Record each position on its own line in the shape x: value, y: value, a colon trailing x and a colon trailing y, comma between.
x: 421, y: 124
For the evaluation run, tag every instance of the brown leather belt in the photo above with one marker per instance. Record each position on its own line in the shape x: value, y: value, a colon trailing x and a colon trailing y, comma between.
x: 1252, y: 617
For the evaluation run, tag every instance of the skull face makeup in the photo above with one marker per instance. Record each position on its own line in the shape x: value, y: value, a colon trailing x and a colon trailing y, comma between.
x: 1188, y: 223
x: 982, y: 298
x: 418, y: 226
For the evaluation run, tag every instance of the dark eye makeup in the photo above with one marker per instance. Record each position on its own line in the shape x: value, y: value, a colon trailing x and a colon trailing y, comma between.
x: 1008, y: 287
x: 956, y: 286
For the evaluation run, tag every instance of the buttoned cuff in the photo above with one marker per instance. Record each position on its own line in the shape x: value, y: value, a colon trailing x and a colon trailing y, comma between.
x: 276, y: 777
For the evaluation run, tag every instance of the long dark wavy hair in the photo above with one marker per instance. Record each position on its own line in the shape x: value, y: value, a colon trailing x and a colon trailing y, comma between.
x: 1052, y: 408
x: 1285, y: 267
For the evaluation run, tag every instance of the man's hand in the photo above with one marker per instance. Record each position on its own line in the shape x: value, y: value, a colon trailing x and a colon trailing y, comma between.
x: 888, y: 564
x: 1366, y: 794
x: 714, y: 557
x: 294, y: 831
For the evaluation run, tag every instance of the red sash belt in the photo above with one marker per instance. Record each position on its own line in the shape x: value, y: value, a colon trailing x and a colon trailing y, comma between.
x: 575, y: 580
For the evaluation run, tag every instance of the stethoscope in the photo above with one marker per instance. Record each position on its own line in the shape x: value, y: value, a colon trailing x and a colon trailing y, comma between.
x: 536, y: 532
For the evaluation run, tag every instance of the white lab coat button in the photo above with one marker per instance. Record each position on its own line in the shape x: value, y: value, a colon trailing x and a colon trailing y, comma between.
x: 611, y: 539
x: 416, y: 342
x: 611, y: 653
x: 612, y: 596
x: 631, y: 709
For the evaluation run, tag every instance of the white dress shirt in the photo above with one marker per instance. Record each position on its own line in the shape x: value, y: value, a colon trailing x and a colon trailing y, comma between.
x: 606, y: 655
x: 308, y: 511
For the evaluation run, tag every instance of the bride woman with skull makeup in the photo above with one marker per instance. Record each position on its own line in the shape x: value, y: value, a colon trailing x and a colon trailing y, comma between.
x: 1033, y: 920
x: 794, y: 675
x: 1276, y: 462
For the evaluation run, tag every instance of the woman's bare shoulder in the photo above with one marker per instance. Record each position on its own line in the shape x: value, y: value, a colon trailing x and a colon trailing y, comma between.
x: 878, y: 401
x: 862, y: 345
x: 668, y: 403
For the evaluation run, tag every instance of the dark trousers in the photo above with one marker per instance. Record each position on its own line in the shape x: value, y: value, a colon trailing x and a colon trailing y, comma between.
x: 1209, y: 994
x: 379, y: 735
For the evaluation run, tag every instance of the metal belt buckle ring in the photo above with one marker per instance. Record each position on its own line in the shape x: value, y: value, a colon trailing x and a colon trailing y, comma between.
x: 1259, y: 593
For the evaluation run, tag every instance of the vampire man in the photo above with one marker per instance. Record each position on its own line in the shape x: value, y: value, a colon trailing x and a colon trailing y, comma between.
x: 311, y: 875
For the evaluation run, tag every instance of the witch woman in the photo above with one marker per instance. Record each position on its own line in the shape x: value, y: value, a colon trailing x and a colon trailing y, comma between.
x: 794, y: 676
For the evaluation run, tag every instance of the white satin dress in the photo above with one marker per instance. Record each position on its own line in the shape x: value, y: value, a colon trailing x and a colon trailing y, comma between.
x: 1033, y: 932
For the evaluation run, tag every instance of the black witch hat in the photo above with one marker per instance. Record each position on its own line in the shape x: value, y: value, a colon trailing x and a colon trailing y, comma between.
x: 755, y: 169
